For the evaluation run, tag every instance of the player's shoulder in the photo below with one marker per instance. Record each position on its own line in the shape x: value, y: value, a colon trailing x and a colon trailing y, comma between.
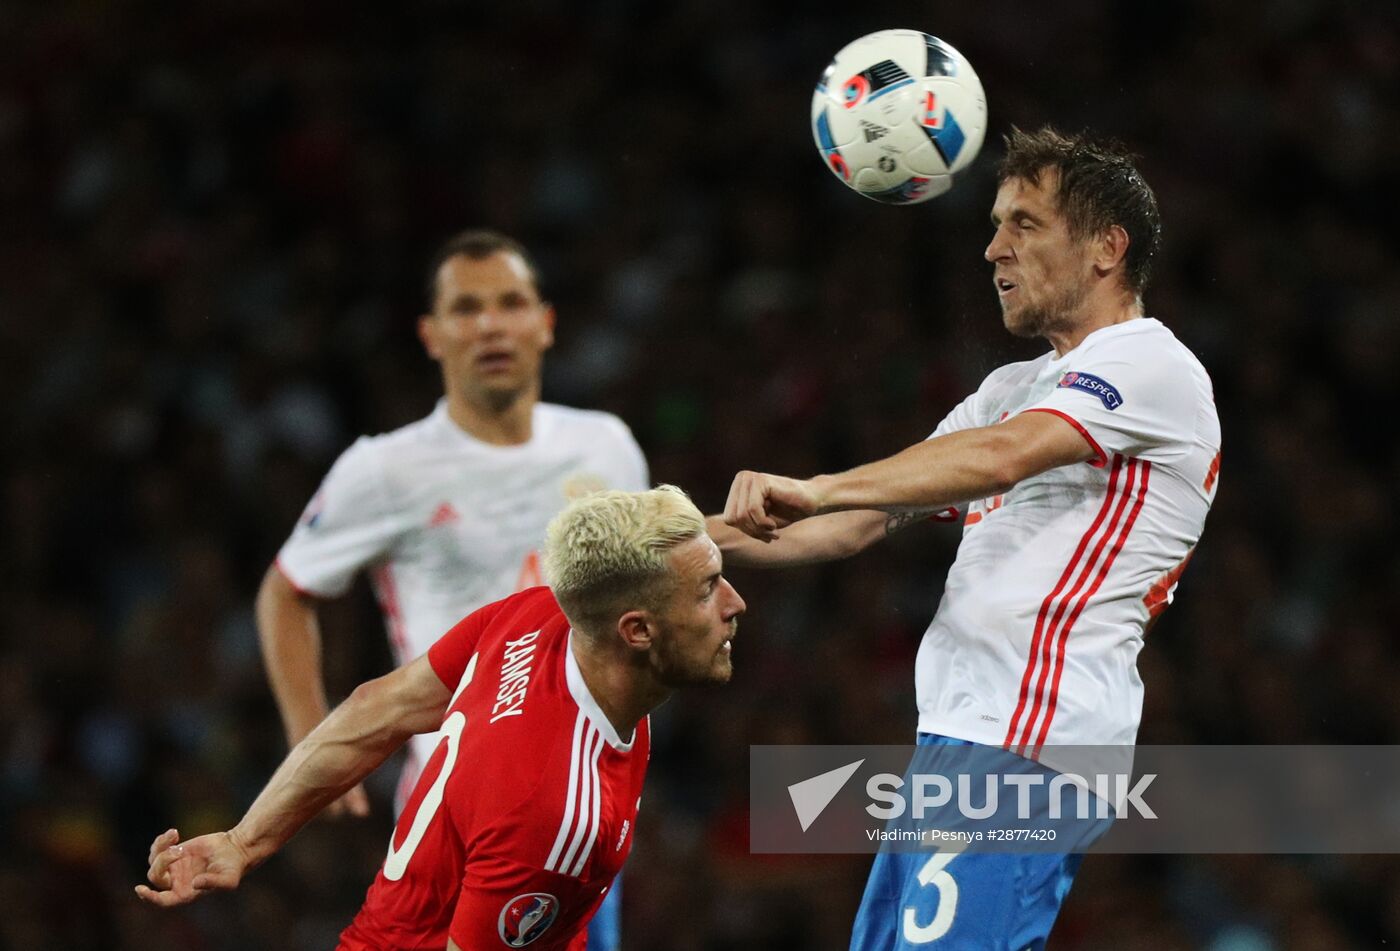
x: 585, y: 422
x: 1144, y: 356
x: 532, y: 608
x: 419, y: 433
x: 1144, y: 340
x: 373, y: 452
x: 1013, y: 375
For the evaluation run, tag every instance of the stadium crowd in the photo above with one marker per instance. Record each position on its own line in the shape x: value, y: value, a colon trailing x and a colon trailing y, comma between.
x: 213, y: 224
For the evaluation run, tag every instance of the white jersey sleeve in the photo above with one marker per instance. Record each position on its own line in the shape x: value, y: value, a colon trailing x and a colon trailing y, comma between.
x: 632, y: 473
x: 987, y: 404
x: 1126, y: 400
x: 347, y: 526
x: 963, y: 416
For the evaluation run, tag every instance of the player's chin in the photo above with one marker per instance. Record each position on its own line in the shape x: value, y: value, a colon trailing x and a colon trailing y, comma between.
x: 720, y: 671
x: 1019, y: 322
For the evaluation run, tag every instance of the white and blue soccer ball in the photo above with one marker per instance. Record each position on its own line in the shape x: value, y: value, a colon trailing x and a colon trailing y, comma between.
x: 897, y: 114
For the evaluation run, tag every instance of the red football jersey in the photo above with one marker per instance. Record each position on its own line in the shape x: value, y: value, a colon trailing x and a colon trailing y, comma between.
x: 524, y: 814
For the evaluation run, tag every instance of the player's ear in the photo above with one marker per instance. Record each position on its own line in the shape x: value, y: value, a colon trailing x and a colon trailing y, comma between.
x: 427, y: 333
x: 548, y: 333
x: 1110, y: 248
x: 636, y: 630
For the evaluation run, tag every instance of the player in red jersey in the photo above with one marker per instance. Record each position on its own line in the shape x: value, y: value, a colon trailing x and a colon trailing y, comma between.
x: 524, y: 813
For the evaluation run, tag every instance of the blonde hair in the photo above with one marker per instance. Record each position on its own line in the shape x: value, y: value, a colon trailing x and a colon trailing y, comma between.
x: 607, y: 551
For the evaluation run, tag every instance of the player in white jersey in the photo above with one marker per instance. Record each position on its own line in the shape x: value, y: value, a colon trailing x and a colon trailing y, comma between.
x: 447, y: 514
x: 1085, y: 477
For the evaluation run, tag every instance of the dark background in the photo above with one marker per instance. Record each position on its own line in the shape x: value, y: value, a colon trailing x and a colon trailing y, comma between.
x: 213, y: 219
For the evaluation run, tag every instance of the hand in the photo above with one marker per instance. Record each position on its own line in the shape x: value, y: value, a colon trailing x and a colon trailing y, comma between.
x: 183, y: 872
x: 353, y: 802
x: 759, y: 504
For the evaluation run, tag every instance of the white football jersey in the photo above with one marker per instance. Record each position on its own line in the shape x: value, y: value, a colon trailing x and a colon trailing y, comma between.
x: 1036, y: 639
x: 446, y: 523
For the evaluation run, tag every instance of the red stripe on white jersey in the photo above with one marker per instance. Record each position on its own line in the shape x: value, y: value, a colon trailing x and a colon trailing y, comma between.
x: 1047, y: 645
x: 1145, y: 471
x: 389, y: 603
x: 1032, y: 661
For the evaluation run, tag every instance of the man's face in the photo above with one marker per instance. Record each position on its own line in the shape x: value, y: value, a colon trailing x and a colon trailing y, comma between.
x: 489, y: 329
x: 1042, y: 274
x: 698, y: 621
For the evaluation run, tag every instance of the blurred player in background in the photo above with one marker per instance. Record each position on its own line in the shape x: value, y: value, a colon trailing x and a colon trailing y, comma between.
x: 448, y: 513
x: 1085, y: 477
x: 525, y: 811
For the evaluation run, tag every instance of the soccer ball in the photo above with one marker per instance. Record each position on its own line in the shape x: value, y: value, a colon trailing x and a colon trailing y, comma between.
x: 897, y: 114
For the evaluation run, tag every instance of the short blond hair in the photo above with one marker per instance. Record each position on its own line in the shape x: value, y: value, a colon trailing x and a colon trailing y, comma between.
x: 607, y: 552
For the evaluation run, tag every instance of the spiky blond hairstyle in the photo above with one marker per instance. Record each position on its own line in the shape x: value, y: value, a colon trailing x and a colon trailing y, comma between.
x: 606, y: 553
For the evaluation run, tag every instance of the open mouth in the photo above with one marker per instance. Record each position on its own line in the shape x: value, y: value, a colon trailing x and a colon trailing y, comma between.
x: 1004, y: 286
x: 495, y: 360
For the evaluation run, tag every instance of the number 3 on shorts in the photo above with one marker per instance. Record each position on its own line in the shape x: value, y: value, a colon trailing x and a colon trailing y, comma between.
x: 934, y: 873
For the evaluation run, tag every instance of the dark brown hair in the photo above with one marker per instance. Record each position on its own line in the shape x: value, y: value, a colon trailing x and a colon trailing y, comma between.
x: 478, y: 244
x: 1099, y: 186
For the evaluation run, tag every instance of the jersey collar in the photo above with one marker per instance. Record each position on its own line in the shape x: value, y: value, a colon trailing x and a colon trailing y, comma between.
x: 579, y: 690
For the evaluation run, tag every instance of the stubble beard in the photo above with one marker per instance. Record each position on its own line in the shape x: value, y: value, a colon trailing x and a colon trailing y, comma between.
x: 1056, y: 315
x: 672, y: 671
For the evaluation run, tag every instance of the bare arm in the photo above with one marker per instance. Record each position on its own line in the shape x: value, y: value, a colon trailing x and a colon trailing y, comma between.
x: 824, y: 538
x: 290, y: 635
x: 970, y: 464
x: 359, y: 735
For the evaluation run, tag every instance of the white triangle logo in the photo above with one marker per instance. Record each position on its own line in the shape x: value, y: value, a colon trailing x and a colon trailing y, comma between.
x: 811, y: 796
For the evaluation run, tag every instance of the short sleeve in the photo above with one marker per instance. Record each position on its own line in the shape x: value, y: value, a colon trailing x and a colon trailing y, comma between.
x: 633, y: 474
x: 346, y: 526
x: 1124, y: 400
x: 963, y: 416
x: 507, y: 904
x: 966, y: 415
x: 451, y: 653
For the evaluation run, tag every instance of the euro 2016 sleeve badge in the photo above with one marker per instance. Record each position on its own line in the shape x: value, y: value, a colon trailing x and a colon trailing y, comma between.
x: 525, y: 917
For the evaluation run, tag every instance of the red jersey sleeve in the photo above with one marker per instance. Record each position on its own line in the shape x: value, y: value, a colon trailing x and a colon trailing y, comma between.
x: 505, y: 902
x: 451, y: 653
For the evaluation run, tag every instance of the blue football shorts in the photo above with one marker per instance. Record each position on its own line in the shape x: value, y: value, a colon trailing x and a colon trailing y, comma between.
x: 969, y: 900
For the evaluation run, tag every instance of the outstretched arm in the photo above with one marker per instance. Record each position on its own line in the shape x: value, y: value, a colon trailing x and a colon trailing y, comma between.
x: 946, y: 470
x: 358, y: 735
x: 824, y: 538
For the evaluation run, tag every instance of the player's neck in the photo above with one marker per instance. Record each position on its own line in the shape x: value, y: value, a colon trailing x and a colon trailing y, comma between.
x: 496, y: 419
x: 1118, y: 311
x: 623, y: 696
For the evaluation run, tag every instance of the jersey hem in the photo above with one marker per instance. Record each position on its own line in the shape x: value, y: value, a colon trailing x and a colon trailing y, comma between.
x: 961, y: 731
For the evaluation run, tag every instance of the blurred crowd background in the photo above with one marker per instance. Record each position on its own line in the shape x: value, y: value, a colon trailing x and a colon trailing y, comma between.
x: 213, y: 223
